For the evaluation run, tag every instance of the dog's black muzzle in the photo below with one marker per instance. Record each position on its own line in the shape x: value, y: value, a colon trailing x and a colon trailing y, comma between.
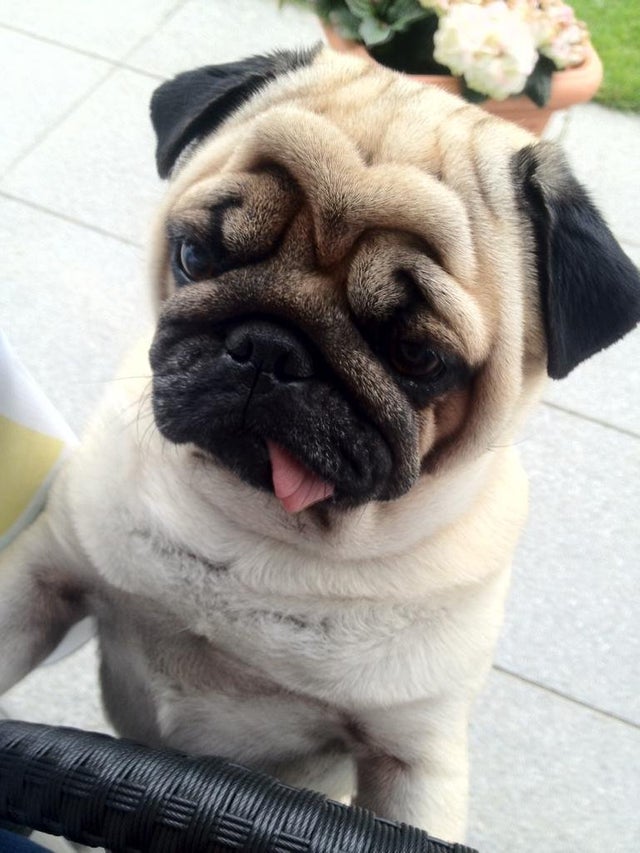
x: 229, y: 388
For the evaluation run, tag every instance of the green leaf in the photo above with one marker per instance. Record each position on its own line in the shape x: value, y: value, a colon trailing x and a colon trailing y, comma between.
x: 538, y: 86
x: 384, y: 9
x: 404, y: 21
x: 322, y: 8
x: 373, y: 31
x: 312, y: 5
x: 400, y: 9
x: 361, y: 8
x: 345, y: 23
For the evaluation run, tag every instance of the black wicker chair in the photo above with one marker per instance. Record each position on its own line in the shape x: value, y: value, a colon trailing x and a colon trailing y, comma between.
x: 104, y: 792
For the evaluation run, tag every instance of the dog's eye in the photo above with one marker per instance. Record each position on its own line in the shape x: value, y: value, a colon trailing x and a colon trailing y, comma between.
x: 196, y: 261
x: 416, y: 359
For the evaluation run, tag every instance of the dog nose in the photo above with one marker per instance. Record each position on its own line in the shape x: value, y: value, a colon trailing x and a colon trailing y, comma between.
x: 271, y: 349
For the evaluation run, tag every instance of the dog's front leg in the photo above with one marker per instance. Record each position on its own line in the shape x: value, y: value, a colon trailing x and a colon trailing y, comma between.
x: 41, y: 596
x: 414, y: 767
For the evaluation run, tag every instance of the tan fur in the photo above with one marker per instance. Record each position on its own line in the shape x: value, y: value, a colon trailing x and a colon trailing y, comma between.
x: 337, y: 645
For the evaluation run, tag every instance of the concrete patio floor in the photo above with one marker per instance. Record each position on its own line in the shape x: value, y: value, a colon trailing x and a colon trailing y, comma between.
x: 555, y: 740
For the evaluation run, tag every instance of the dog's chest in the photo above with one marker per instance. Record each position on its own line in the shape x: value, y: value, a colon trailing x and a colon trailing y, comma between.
x: 216, y: 635
x: 220, y: 636
x: 163, y: 683
x: 346, y: 652
x: 327, y: 647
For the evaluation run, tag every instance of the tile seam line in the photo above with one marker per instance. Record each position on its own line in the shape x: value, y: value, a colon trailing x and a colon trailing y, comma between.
x: 564, y: 130
x: 113, y: 68
x: 58, y: 122
x: 591, y: 419
x: 65, y: 218
x: 55, y: 43
x: 168, y: 15
x: 610, y: 715
x: 117, y: 62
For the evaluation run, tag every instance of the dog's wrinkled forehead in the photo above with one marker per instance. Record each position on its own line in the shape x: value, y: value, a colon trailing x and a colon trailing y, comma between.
x: 296, y: 196
x: 346, y: 197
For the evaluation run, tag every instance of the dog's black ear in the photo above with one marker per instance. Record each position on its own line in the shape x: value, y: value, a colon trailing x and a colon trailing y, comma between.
x: 194, y: 103
x: 589, y: 289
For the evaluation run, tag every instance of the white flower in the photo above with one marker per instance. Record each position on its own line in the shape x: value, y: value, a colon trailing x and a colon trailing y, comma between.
x: 558, y: 34
x: 490, y: 45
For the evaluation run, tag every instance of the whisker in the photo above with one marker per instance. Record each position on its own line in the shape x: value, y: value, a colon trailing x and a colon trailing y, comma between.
x: 111, y: 379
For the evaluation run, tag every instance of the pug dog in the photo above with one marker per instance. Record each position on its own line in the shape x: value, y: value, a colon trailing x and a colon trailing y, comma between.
x: 294, y: 517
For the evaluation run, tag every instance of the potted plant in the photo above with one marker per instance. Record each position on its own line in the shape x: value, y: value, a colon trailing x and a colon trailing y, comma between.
x: 521, y: 59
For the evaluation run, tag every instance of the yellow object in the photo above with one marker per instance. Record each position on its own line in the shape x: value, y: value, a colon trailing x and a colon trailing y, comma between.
x: 28, y: 458
x: 34, y: 442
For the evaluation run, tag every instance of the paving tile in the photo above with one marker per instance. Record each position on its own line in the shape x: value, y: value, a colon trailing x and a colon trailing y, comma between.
x: 38, y: 85
x: 71, y: 301
x: 53, y: 843
x: 602, y: 146
x: 606, y: 387
x: 203, y: 33
x: 98, y: 165
x: 633, y: 251
x: 110, y: 29
x: 572, y: 614
x: 555, y: 128
x: 63, y: 694
x: 550, y: 776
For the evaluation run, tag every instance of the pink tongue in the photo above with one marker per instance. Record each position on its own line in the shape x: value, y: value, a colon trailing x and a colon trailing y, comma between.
x: 295, y: 486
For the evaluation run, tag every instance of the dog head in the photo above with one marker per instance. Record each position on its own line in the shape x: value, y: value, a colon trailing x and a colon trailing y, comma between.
x: 362, y: 280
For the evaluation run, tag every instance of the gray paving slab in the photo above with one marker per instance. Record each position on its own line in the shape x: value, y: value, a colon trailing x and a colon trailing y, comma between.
x: 110, y: 29
x: 38, y: 85
x: 71, y: 301
x: 62, y: 694
x: 98, y: 165
x: 632, y: 251
x: 53, y: 843
x: 572, y: 620
x: 555, y: 127
x: 606, y: 387
x: 203, y: 32
x: 549, y: 776
x: 603, y: 146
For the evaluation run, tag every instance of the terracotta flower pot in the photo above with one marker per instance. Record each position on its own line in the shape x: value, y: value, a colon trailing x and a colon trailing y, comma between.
x: 569, y: 87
